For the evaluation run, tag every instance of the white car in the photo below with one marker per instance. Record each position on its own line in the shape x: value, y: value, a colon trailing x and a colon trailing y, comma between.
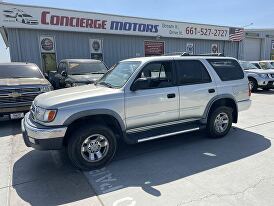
x: 258, y: 77
x: 26, y: 18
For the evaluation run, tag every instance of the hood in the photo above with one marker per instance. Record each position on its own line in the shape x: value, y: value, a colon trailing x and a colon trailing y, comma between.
x: 260, y: 71
x: 74, y: 95
x: 23, y: 81
x: 87, y: 78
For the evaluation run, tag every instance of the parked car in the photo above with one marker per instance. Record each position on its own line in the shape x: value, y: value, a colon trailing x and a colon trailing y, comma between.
x: 256, y: 63
x: 20, y: 83
x: 266, y: 65
x: 77, y: 72
x: 141, y: 99
x: 258, y: 78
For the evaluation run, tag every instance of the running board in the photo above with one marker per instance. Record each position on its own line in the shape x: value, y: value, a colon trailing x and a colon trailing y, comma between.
x: 165, y: 131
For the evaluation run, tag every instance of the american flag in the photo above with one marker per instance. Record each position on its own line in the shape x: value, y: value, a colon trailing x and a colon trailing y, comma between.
x: 236, y: 34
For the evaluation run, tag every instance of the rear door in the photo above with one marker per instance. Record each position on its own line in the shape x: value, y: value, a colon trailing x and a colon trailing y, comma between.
x: 196, y: 88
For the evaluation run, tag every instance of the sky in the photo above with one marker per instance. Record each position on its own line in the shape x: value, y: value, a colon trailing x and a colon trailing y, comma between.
x: 237, y: 13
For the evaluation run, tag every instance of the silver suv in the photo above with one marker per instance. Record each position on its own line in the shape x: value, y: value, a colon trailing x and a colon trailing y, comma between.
x: 138, y: 100
x: 257, y: 76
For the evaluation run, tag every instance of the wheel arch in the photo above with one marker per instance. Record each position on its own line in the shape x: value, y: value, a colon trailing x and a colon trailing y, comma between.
x: 221, y: 100
x: 106, y: 117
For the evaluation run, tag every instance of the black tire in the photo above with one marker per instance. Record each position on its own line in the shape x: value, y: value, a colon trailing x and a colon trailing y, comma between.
x: 254, y: 84
x: 211, y: 129
x: 266, y: 89
x: 76, y: 140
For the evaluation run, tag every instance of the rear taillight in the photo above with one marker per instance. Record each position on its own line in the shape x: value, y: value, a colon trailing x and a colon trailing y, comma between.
x: 249, y: 89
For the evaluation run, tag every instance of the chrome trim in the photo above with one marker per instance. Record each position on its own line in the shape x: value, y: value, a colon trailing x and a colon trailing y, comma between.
x: 41, y: 133
x: 169, y: 134
x: 140, y: 129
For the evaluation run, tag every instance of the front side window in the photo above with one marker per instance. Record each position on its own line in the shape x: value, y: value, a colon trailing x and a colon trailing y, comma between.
x: 192, y: 72
x: 118, y: 76
x: 157, y: 74
x: 266, y: 65
x: 19, y: 71
x: 78, y: 68
x: 247, y: 65
x: 227, y: 69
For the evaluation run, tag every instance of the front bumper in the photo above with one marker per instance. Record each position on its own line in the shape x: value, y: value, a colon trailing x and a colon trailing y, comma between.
x: 265, y: 83
x: 41, y: 137
x: 16, y: 109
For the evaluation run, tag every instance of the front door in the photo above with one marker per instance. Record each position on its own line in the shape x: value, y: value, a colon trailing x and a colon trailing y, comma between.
x: 155, y: 103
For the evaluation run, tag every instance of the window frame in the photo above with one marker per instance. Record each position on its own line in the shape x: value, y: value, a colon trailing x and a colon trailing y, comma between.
x: 173, y: 70
x: 176, y: 62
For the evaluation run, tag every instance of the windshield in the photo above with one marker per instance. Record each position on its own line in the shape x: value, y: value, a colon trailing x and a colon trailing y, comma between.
x: 118, y: 76
x: 19, y: 71
x: 247, y: 65
x: 86, y: 68
x: 26, y: 15
x: 266, y: 65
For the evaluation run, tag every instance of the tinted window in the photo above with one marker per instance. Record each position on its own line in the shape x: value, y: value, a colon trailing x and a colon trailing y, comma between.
x: 227, y: 69
x: 159, y: 74
x: 192, y: 72
x: 19, y: 71
x: 86, y: 68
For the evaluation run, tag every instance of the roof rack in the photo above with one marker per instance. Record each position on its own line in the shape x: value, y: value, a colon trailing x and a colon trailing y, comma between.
x: 187, y: 54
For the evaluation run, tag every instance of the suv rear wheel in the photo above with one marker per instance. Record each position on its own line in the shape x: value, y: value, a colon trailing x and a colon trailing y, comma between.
x: 91, y: 147
x: 219, y: 122
x: 253, y: 85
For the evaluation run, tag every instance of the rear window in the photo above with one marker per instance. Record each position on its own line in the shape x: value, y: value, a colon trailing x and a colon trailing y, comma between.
x: 227, y: 69
x: 78, y: 68
x: 19, y: 71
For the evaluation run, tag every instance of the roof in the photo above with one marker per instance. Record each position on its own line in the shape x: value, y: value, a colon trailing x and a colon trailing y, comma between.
x: 172, y: 57
x: 101, y: 13
x: 17, y: 64
x: 81, y: 60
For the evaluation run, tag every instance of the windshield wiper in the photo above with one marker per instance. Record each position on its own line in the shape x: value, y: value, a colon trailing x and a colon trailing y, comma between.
x: 105, y: 84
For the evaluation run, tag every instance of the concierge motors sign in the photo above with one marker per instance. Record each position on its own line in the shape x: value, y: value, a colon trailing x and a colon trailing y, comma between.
x: 30, y: 17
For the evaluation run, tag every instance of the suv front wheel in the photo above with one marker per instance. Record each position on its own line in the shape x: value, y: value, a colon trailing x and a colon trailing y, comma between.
x: 91, y: 147
x: 219, y: 122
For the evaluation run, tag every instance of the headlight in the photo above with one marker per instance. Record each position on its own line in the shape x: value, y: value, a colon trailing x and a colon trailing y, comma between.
x: 45, y: 88
x: 45, y: 115
x: 263, y: 75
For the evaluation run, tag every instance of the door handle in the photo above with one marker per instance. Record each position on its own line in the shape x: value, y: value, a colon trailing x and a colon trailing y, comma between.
x: 211, y: 90
x: 171, y: 96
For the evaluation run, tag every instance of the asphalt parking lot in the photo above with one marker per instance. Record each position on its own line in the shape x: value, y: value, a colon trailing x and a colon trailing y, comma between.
x: 182, y: 170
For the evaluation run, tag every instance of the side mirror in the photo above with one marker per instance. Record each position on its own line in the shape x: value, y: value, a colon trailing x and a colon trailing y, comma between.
x: 141, y: 83
x: 64, y: 73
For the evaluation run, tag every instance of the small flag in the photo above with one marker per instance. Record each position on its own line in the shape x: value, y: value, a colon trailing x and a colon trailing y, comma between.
x: 236, y: 34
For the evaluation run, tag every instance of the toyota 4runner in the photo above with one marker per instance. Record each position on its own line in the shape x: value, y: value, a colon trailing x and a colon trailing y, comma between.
x: 138, y: 100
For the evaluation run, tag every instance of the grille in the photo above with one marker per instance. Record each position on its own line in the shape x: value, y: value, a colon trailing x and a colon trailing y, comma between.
x: 22, y: 99
x: 6, y: 91
x: 18, y: 95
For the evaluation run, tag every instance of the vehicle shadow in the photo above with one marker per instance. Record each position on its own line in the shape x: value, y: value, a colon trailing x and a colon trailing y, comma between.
x: 144, y: 165
x: 269, y: 92
x: 9, y: 127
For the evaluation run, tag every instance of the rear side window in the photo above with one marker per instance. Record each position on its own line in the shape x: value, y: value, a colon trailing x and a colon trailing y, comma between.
x: 227, y: 69
x: 192, y: 72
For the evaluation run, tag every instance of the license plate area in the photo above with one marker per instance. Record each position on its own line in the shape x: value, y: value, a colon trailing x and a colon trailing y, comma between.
x: 17, y: 115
